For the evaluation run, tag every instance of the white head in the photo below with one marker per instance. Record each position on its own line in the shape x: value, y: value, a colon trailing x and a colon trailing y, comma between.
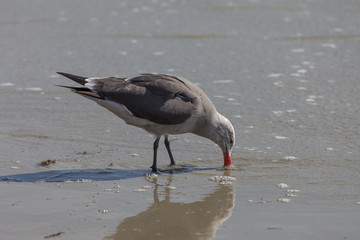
x: 225, y: 138
x: 220, y: 130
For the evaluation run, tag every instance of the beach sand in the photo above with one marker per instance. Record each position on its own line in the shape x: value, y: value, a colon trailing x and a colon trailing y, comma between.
x: 284, y: 73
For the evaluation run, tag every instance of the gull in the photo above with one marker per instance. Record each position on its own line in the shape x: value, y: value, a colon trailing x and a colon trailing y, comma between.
x: 161, y: 104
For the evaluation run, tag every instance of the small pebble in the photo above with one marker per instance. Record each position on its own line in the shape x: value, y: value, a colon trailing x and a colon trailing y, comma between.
x: 47, y: 163
x: 103, y: 211
x: 54, y: 235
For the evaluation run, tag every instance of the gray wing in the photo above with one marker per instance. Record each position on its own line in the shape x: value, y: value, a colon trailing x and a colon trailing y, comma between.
x: 160, y: 98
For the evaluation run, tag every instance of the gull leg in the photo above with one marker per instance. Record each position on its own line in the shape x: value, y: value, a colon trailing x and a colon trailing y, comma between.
x: 167, y: 145
x: 156, y: 145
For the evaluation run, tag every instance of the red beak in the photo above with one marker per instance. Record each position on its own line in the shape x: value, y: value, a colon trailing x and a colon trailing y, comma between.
x: 227, y: 159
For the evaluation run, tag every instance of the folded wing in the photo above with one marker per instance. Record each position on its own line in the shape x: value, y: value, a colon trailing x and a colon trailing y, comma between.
x: 160, y: 98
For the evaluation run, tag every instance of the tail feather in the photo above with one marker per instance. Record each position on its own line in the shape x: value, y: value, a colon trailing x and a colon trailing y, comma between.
x: 84, y: 91
x: 89, y: 94
x: 78, y: 79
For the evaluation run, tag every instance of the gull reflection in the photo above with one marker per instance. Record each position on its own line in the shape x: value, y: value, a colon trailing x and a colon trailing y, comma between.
x: 175, y: 220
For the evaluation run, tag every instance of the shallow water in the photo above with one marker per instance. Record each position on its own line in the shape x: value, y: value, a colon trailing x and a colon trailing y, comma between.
x: 285, y: 74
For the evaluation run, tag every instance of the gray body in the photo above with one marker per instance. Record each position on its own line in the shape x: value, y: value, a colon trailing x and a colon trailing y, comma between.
x: 161, y: 104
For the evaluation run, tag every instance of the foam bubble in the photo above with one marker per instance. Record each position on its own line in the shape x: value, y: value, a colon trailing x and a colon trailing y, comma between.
x: 225, y: 182
x: 329, y: 45
x: 280, y: 137
x: 293, y: 190
x: 219, y: 96
x: 279, y: 84
x: 151, y: 176
x: 159, y: 53
x: 34, y: 89
x: 306, y: 63
x: 275, y: 75
x: 282, y: 185
x: 278, y: 113
x: 80, y: 181
x: 302, y: 88
x: 139, y: 190
x: 284, y: 200
x: 222, y: 178
x: 6, y: 84
x: 302, y: 71
x: 298, y: 50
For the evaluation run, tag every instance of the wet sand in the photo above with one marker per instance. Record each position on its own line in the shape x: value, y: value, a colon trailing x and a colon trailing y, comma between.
x: 285, y: 74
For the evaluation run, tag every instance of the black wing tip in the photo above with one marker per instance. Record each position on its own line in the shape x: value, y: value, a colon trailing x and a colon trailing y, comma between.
x: 68, y: 75
x: 82, y: 91
x: 70, y: 87
x: 78, y: 79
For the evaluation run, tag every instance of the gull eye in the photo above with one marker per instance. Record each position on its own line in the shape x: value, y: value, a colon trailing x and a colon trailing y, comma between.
x: 231, y: 141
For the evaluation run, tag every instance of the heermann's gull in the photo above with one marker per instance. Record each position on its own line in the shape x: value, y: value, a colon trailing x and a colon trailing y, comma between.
x: 161, y: 104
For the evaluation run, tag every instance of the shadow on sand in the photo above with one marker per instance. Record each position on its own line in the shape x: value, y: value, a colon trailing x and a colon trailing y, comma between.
x: 74, y: 175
